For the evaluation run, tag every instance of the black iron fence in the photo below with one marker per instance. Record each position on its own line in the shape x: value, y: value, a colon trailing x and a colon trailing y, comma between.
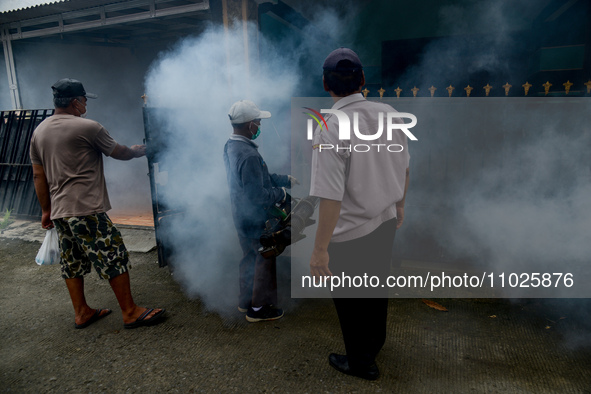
x: 17, y: 192
x: 157, y: 136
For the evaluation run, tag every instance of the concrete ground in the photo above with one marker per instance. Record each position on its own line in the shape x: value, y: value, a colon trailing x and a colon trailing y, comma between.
x: 478, y: 346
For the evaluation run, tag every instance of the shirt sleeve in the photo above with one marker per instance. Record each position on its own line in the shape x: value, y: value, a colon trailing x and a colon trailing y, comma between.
x: 404, y: 139
x: 33, y: 153
x: 104, y: 142
x: 280, y: 180
x: 329, y: 164
x: 251, y: 176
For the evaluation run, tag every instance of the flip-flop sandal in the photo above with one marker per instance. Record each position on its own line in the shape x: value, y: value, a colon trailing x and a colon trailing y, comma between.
x: 142, y: 321
x: 97, y: 316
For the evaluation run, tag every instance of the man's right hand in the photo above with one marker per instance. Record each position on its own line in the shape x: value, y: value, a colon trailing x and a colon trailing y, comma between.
x: 46, y: 222
x: 319, y: 263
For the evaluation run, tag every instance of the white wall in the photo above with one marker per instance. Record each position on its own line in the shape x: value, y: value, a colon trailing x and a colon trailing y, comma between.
x: 116, y: 74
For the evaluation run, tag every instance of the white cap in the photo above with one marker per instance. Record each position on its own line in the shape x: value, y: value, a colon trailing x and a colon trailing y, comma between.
x: 244, y: 111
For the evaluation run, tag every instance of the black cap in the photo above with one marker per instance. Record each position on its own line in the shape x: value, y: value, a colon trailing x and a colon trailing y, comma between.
x: 342, y: 59
x: 66, y: 88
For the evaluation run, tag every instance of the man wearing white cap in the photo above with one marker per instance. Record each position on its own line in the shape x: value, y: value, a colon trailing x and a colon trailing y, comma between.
x: 252, y: 191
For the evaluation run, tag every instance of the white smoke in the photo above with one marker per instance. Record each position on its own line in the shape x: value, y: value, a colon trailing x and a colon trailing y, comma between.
x: 532, y: 212
x: 195, y: 83
x: 516, y: 174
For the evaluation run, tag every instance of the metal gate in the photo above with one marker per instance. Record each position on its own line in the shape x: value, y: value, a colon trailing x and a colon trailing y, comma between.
x: 17, y: 192
x: 157, y: 134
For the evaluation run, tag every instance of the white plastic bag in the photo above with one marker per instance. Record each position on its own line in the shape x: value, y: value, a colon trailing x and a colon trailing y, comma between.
x: 49, y: 253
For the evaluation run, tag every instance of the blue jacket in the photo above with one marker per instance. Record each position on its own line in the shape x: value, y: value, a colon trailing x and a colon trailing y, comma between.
x: 252, y: 189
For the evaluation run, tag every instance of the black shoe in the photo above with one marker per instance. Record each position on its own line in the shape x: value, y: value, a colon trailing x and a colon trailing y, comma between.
x: 267, y: 312
x: 341, y: 364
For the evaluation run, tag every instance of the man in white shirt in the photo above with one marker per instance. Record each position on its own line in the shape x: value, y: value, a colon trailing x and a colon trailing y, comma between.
x: 362, y: 196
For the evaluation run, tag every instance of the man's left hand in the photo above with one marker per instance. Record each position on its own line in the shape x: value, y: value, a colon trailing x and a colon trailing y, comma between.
x: 292, y: 181
x: 138, y: 150
x: 46, y: 222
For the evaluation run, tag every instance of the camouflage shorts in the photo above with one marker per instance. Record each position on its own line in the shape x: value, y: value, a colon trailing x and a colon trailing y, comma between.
x: 91, y: 240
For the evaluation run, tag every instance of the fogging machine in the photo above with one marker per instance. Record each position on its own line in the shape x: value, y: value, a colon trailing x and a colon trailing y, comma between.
x: 286, y: 224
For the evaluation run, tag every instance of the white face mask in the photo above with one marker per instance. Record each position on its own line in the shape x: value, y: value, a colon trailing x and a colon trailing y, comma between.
x: 83, y: 115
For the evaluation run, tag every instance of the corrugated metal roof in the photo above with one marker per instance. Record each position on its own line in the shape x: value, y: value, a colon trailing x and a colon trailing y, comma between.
x: 108, y: 22
x: 50, y: 8
x: 19, y: 7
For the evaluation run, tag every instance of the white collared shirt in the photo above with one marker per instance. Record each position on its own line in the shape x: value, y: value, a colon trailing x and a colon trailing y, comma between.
x: 362, y: 174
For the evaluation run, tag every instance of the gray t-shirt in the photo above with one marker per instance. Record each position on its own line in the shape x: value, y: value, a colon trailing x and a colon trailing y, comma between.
x: 71, y: 149
x: 367, y: 176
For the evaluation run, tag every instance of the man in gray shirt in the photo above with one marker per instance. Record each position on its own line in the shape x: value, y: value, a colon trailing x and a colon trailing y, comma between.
x: 67, y: 156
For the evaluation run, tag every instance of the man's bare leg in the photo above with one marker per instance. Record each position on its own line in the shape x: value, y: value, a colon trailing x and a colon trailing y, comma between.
x: 122, y: 288
x: 81, y: 309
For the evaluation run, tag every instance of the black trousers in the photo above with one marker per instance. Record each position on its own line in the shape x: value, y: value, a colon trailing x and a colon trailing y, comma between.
x: 363, y: 311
